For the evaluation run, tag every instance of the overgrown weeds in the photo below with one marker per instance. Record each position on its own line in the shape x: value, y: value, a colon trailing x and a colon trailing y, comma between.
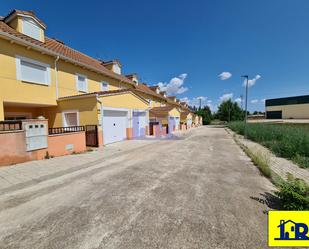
x: 292, y: 193
x: 287, y: 141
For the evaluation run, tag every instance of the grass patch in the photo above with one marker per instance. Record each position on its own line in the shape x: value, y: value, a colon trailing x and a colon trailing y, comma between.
x: 293, y: 193
x: 261, y: 161
x: 285, y: 140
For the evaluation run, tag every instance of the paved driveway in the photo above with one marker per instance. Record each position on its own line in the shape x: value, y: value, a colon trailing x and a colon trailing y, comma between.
x: 199, y: 191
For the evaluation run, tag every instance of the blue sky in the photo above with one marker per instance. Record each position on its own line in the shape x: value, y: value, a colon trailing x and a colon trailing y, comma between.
x: 185, y: 45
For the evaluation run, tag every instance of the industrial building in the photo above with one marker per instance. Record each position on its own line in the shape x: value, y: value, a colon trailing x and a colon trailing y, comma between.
x: 288, y: 108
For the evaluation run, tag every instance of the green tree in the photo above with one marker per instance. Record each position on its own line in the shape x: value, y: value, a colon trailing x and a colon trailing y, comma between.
x: 205, y: 112
x: 229, y: 111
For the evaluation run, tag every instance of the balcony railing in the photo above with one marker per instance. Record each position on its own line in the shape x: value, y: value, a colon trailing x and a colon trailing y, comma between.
x: 61, y: 130
x: 10, y: 125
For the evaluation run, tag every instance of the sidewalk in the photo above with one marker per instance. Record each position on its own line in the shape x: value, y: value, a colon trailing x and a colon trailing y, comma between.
x: 279, y: 165
x: 37, y: 171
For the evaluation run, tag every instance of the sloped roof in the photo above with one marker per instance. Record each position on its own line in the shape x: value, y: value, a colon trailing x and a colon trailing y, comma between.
x: 26, y: 13
x: 103, y: 93
x: 141, y: 87
x: 160, y: 111
x: 55, y: 48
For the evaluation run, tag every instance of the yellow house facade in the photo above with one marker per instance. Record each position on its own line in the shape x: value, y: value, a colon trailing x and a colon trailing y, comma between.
x: 38, y: 74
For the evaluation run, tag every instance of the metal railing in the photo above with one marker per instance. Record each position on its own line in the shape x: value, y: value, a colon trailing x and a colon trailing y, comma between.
x: 61, y: 130
x: 10, y: 125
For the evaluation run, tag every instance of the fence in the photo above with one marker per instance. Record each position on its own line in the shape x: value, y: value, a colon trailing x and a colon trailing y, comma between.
x: 9, y: 125
x: 61, y: 130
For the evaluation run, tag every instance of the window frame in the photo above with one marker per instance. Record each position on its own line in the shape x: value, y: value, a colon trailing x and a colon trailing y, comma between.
x: 64, y: 121
x: 106, y: 85
x: 86, y: 82
x: 34, y: 24
x: 19, y: 59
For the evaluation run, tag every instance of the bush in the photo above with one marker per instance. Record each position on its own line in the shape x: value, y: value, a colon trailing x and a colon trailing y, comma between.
x: 294, y: 194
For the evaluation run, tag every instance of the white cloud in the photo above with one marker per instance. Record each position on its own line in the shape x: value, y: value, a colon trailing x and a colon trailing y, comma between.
x: 226, y: 97
x: 252, y: 81
x: 185, y: 99
x: 224, y: 75
x: 254, y: 101
x: 195, y: 101
x: 263, y: 101
x: 175, y: 86
x: 238, y: 100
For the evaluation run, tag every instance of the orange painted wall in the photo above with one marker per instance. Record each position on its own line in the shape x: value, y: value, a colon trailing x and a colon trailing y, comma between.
x: 101, y: 138
x: 13, y: 147
x: 57, y: 143
x: 129, y: 133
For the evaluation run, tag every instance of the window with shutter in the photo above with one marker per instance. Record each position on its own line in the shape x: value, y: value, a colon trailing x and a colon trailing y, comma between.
x: 32, y: 71
x: 81, y: 83
x: 31, y: 29
x: 104, y: 86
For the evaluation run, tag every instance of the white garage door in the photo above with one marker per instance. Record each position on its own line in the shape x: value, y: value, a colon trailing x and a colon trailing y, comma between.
x: 114, y: 126
x: 139, y: 123
x: 189, y: 122
x: 171, y: 124
x: 177, y: 122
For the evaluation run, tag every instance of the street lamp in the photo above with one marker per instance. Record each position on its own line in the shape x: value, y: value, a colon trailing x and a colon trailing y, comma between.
x: 246, y: 104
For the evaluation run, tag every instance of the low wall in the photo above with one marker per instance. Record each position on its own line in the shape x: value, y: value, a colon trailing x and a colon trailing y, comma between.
x: 129, y: 133
x: 183, y: 127
x: 65, y: 144
x: 13, y: 147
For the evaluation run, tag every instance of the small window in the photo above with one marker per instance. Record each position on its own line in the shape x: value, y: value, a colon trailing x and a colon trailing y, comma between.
x: 104, y: 86
x: 70, y: 119
x: 30, y: 28
x: 32, y: 71
x: 81, y: 83
x: 117, y: 69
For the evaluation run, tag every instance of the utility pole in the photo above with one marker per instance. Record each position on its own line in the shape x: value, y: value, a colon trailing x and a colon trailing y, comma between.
x: 246, y: 104
x: 242, y: 102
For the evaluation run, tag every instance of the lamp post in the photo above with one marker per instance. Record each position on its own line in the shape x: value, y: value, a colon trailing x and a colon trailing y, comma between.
x: 246, y: 104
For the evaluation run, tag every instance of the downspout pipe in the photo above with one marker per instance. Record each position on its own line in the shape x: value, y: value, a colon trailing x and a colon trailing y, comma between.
x: 101, y: 111
x: 56, y: 77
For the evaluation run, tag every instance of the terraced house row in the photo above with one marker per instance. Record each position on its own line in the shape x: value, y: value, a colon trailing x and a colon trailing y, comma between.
x: 55, y: 100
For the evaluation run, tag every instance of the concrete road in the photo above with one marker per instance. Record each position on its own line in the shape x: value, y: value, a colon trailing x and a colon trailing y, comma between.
x: 199, y: 191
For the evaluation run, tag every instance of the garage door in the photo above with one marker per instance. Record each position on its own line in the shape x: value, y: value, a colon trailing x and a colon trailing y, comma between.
x: 177, y: 122
x: 274, y: 115
x: 189, y: 122
x: 171, y: 124
x: 139, y: 123
x: 114, y: 126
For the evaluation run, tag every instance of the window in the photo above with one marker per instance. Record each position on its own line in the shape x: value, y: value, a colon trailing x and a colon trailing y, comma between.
x: 104, y: 86
x: 31, y: 29
x: 81, y: 83
x: 116, y: 69
x: 70, y: 118
x: 32, y: 71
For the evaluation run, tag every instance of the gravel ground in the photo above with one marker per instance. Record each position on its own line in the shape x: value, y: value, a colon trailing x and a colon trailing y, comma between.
x: 199, y: 191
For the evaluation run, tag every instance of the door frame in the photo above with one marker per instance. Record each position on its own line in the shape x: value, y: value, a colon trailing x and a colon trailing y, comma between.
x: 103, y: 108
x: 146, y: 118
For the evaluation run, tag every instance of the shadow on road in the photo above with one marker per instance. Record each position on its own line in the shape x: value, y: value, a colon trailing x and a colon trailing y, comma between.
x: 268, y: 199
